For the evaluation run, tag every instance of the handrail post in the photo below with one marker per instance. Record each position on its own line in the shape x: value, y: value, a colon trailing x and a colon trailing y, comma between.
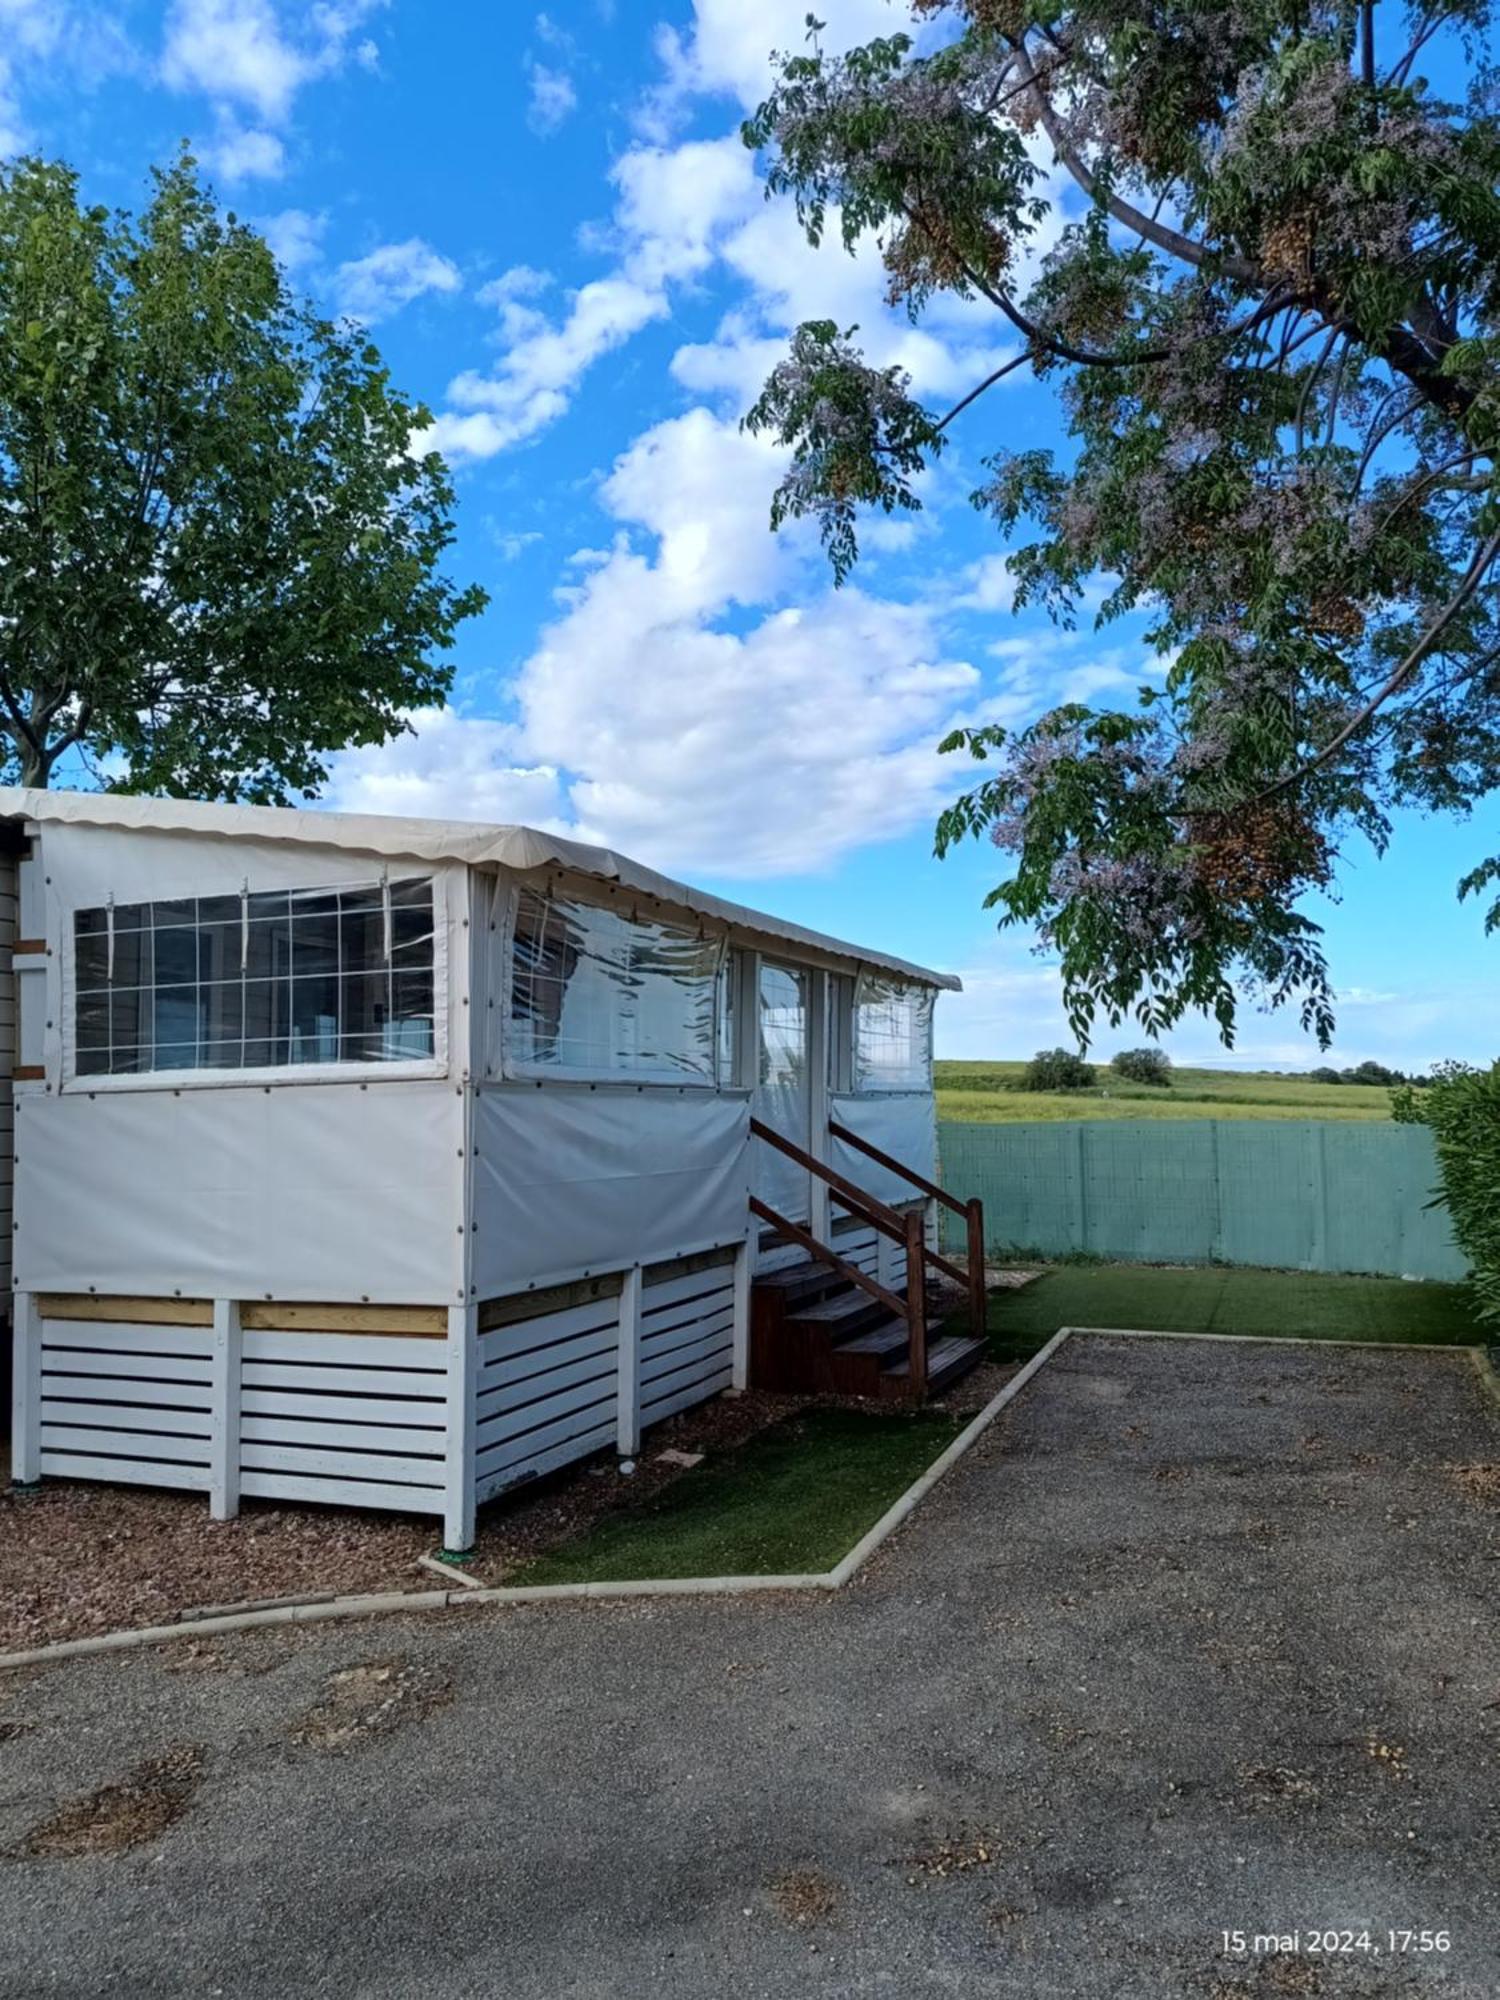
x: 916, y: 1301
x: 975, y: 1213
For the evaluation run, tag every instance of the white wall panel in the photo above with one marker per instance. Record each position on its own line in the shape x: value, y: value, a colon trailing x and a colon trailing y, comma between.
x: 321, y: 1192
x: 569, y: 1179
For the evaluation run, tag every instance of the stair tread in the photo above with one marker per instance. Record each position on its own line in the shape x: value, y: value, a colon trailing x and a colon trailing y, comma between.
x: 887, y: 1338
x: 947, y: 1356
x: 846, y: 1303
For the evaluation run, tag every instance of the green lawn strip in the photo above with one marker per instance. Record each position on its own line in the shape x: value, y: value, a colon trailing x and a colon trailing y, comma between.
x: 794, y: 1498
x: 1214, y: 1300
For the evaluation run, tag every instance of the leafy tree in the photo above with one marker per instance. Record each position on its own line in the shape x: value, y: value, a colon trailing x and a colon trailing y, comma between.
x: 1272, y: 314
x: 1143, y: 1066
x: 1324, y: 1075
x: 1462, y: 1106
x: 1057, y: 1069
x: 218, y: 549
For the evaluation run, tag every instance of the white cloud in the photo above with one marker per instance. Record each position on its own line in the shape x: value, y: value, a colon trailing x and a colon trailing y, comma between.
x: 86, y: 44
x: 990, y: 585
x: 453, y: 767
x: 295, y: 236
x: 373, y: 287
x: 244, y: 153
x: 553, y: 98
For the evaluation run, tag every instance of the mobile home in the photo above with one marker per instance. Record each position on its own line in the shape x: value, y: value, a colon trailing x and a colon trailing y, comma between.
x: 394, y: 1162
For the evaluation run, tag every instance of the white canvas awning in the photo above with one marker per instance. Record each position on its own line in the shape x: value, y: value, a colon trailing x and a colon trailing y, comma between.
x: 522, y: 849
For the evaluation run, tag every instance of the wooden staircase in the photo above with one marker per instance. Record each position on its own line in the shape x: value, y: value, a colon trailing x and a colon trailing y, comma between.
x: 814, y: 1331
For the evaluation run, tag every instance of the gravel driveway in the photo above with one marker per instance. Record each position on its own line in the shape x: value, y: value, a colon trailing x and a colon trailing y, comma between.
x: 1200, y: 1639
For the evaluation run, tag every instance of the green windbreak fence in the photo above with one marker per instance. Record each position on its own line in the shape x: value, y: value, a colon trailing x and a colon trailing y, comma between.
x: 1299, y: 1195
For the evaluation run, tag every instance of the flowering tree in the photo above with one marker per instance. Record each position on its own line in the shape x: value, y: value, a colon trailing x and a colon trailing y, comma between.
x: 1273, y: 319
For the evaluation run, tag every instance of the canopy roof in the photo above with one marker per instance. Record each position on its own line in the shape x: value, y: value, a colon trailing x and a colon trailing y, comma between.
x: 518, y: 848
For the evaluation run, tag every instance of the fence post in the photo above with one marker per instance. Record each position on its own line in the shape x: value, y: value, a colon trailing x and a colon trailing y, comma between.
x: 224, y: 1413
x: 916, y: 1301
x: 974, y: 1212
x: 741, y: 1360
x: 26, y: 1392
x: 628, y: 1381
x: 460, y: 1473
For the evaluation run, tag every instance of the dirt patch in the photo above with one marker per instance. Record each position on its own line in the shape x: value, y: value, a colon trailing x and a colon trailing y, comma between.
x: 960, y: 1853
x: 805, y: 1897
x: 127, y: 1813
x: 1480, y: 1483
x: 1275, y: 1785
x: 374, y: 1699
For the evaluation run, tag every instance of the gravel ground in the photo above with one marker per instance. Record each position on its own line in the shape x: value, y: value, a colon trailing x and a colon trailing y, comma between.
x: 1199, y: 1638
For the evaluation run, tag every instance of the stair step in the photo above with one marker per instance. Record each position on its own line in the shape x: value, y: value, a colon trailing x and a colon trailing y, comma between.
x: 799, y: 1282
x: 887, y: 1338
x: 948, y: 1361
x: 842, y: 1312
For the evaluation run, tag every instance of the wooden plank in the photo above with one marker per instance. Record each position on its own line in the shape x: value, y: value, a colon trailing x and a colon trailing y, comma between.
x: 546, y: 1360
x: 544, y: 1462
x: 684, y: 1399
x: 155, y: 1447
x: 152, y: 1369
x: 258, y: 1457
x: 460, y: 1472
x: 497, y: 1396
x: 662, y: 1366
x: 341, y: 1349
x: 386, y: 1496
x: 522, y: 1336
x: 123, y: 1471
x: 628, y: 1365
x: 676, y: 1330
x: 390, y: 1440
x: 507, y: 1417
x: 298, y: 1316
x: 265, y: 1377
x: 683, y: 1267
x: 26, y: 1389
x: 29, y: 947
x: 719, y: 1323
x: 104, y: 1336
x: 699, y: 1285
x: 125, y: 1417
x: 126, y: 1392
x: 512, y: 1450
x: 158, y: 1312
x: 512, y: 1307
x: 363, y: 1409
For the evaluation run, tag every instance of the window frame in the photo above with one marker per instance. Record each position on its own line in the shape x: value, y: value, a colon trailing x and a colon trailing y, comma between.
x: 861, y: 1088
x: 360, y: 1070
x: 537, y: 1076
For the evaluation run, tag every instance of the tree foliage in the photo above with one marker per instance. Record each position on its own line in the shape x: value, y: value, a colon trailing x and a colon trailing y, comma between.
x: 1271, y: 311
x: 1057, y: 1069
x: 1152, y: 1066
x: 1462, y: 1106
x: 219, y: 550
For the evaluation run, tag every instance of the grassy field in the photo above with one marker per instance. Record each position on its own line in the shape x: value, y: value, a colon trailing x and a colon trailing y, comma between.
x: 978, y: 1093
x: 794, y: 1498
x: 1213, y: 1300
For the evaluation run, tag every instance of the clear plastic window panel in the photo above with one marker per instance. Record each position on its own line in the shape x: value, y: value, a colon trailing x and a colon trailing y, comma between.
x: 892, y: 1035
x: 598, y: 994
x: 263, y: 980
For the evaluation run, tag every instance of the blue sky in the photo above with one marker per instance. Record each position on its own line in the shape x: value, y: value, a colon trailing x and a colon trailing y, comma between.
x: 547, y: 220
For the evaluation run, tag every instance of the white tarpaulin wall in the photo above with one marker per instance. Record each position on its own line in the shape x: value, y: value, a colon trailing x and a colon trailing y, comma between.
x: 904, y: 1127
x: 568, y: 1179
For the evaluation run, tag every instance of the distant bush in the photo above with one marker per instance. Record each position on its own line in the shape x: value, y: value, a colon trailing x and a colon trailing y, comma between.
x: 1324, y: 1076
x: 1058, y: 1069
x: 1373, y: 1072
x: 1462, y: 1107
x: 1143, y: 1066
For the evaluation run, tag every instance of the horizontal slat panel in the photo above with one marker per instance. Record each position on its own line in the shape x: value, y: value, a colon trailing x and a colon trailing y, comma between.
x: 522, y: 1335
x: 342, y: 1492
x: 152, y: 1446
x: 684, y: 1399
x: 130, y: 1368
x: 599, y: 1439
x: 362, y: 1409
x: 125, y: 1337
x: 124, y: 1416
x: 347, y: 1349
x: 693, y: 1329
x: 688, y: 1313
x: 511, y: 1450
x: 388, y: 1439
x: 693, y: 1355
x: 340, y: 1464
x: 131, y: 1472
x: 694, y: 1286
x: 517, y: 1412
x: 539, y: 1388
x: 547, y: 1360
x: 374, y: 1381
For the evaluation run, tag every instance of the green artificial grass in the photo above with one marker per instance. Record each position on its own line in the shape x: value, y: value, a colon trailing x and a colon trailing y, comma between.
x: 794, y: 1498
x: 1214, y: 1300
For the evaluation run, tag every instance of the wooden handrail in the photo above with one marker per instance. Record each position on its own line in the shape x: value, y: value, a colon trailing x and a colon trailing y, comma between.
x: 895, y: 1166
x: 868, y: 1205
x: 795, y: 1233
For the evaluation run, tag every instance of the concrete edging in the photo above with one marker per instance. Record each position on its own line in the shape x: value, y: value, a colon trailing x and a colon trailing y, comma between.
x: 549, y: 1593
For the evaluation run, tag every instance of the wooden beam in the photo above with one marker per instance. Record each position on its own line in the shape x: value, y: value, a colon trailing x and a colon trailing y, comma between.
x: 296, y: 1316
x: 144, y: 1312
x: 895, y: 1166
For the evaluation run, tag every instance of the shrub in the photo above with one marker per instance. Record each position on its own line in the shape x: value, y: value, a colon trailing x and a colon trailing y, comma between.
x: 1373, y: 1072
x: 1324, y: 1076
x: 1143, y: 1066
x: 1058, y: 1069
x: 1462, y: 1106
